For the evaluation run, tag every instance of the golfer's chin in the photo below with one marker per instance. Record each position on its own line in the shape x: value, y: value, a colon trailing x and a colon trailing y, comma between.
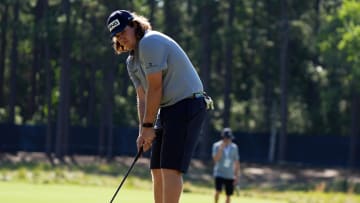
x: 128, y: 45
x: 127, y: 49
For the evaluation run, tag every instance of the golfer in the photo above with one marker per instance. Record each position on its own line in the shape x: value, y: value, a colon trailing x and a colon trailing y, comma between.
x: 227, y: 166
x: 168, y: 88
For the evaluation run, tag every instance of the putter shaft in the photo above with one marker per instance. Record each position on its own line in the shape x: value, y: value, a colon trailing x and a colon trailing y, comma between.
x: 127, y: 173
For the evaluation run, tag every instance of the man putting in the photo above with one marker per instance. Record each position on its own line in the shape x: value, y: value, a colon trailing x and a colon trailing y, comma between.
x: 168, y: 88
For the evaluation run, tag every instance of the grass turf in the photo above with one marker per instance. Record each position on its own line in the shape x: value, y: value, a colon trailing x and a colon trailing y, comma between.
x: 19, y: 192
x: 93, y: 181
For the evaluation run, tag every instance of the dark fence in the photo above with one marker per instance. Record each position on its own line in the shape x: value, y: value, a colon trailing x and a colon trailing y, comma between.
x: 320, y: 150
x: 81, y: 140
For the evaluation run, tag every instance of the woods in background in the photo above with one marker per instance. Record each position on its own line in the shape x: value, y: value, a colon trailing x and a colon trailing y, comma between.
x: 268, y: 64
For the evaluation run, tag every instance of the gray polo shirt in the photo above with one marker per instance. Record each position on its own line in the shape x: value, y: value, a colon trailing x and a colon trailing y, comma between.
x: 158, y: 52
x: 225, y: 166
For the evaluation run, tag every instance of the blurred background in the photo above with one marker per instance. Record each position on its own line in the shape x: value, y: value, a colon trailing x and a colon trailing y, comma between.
x: 284, y: 76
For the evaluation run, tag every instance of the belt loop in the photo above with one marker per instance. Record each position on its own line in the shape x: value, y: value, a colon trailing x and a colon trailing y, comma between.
x: 198, y: 95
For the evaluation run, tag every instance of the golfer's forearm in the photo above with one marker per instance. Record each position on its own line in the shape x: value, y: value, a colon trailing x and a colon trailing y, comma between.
x: 141, y: 107
x: 140, y: 104
x: 153, y: 98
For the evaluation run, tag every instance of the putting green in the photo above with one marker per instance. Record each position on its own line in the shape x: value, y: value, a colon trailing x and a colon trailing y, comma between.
x: 13, y: 192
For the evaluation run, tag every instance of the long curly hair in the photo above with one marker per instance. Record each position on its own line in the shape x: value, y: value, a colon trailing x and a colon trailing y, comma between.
x: 141, y: 25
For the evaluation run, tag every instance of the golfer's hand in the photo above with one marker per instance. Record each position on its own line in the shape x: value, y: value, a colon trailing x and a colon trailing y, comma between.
x: 236, y: 180
x: 145, y: 138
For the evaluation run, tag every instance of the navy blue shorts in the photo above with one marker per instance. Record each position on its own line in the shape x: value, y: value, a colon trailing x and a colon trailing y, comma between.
x: 228, y: 183
x: 177, y: 137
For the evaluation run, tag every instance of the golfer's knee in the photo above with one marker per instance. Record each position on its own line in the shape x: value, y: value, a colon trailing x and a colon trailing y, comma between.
x: 156, y: 174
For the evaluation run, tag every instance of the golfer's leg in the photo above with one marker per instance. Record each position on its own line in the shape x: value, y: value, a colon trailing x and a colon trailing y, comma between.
x: 157, y: 185
x: 172, y: 185
x: 227, y: 199
x: 216, y: 198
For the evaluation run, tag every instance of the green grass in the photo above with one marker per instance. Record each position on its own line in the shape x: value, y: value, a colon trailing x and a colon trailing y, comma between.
x: 39, y: 182
x: 18, y: 192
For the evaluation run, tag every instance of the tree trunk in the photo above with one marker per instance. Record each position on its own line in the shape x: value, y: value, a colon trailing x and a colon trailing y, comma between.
x: 313, y: 89
x: 205, y: 61
x: 38, y: 14
x: 353, y: 149
x: 171, y: 15
x: 109, y: 110
x: 267, y: 78
x: 91, y: 106
x: 106, y: 125
x: 4, y: 26
x: 284, y: 36
x: 152, y: 5
x: 318, y: 16
x: 102, y: 128
x: 63, y: 108
x: 228, y: 62
x: 14, y: 64
x: 49, y: 79
x: 90, y: 118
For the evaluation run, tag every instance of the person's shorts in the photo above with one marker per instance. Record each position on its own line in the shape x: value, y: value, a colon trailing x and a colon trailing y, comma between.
x: 228, y: 183
x: 177, y: 137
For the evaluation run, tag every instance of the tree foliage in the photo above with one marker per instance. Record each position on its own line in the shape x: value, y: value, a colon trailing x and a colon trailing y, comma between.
x: 235, y: 45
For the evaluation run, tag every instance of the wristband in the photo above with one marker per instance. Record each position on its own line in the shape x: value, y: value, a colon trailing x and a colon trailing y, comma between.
x: 147, y: 125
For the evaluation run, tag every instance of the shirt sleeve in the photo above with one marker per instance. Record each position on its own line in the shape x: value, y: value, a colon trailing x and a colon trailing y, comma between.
x: 153, y: 55
x: 237, y: 157
x: 214, y: 150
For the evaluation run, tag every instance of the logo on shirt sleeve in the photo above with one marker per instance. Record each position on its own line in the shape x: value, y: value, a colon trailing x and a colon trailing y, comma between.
x: 151, y: 65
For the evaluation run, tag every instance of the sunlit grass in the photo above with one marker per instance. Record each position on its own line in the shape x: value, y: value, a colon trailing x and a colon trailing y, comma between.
x: 97, y: 181
x: 16, y: 192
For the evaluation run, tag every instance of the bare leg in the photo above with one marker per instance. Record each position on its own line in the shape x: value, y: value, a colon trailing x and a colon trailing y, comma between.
x: 172, y: 185
x: 217, y: 194
x: 157, y: 185
x: 227, y: 199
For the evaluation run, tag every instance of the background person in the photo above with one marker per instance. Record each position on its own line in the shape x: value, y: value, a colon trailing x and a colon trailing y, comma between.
x: 225, y: 154
x: 166, y: 84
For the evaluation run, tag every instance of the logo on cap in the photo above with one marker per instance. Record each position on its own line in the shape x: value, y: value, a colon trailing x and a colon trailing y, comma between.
x: 113, y: 24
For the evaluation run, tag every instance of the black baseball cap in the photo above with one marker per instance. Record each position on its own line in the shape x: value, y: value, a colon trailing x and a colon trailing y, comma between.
x: 227, y: 133
x: 118, y: 20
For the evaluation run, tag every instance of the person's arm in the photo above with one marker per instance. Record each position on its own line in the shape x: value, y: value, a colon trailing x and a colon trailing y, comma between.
x: 140, y: 104
x: 219, y: 152
x: 237, y: 169
x: 236, y: 172
x: 152, y: 102
x: 140, y: 100
x: 153, y: 57
x: 153, y: 96
x: 236, y: 166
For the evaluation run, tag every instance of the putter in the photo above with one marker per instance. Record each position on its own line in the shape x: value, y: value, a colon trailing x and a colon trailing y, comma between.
x: 127, y: 173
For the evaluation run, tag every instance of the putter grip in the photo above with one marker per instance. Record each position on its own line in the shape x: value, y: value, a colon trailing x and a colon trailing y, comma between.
x: 141, y: 150
x: 138, y: 155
